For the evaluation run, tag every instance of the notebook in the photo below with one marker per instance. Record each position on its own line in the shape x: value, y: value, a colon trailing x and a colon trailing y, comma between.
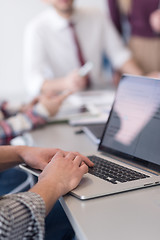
x: 129, y: 148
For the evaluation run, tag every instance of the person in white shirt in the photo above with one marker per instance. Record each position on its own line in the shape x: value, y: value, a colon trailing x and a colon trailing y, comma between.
x: 50, y: 50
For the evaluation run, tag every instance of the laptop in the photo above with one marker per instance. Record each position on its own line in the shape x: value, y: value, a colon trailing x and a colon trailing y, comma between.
x: 128, y: 155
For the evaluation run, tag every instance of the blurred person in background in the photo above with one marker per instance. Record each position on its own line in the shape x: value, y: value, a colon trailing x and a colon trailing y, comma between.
x: 62, y: 39
x: 138, y: 22
x: 16, y: 120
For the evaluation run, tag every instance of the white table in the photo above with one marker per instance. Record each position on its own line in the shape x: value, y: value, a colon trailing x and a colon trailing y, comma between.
x: 133, y: 215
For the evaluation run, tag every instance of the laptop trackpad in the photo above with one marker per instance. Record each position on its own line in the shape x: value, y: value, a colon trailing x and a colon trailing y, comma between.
x: 92, y: 186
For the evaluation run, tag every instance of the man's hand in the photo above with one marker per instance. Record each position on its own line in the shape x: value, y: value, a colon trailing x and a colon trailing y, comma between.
x: 154, y: 75
x: 37, y: 157
x: 62, y: 174
x: 75, y: 82
x: 27, y: 106
x: 53, y: 103
x: 155, y: 21
x: 66, y: 169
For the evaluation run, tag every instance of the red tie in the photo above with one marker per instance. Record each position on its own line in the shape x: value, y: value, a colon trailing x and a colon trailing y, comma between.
x: 79, y: 52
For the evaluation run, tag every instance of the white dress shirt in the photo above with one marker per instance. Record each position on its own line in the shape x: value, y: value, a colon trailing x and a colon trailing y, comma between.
x: 50, y: 51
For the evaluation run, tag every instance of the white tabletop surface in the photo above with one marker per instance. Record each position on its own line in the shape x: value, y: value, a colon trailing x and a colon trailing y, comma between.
x: 133, y: 215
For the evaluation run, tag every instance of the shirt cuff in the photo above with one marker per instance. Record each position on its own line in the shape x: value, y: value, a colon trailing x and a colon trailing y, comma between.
x: 41, y: 110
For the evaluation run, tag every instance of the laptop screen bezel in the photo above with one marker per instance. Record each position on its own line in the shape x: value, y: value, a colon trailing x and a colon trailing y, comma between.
x: 122, y: 155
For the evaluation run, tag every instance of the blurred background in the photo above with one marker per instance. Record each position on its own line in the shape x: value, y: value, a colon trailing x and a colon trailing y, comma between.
x: 14, y: 15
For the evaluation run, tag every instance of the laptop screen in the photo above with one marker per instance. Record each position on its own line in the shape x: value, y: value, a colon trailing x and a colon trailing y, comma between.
x: 133, y: 128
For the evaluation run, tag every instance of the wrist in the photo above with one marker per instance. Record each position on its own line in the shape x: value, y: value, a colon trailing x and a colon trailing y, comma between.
x: 53, y: 185
x: 41, y: 110
x: 48, y: 191
x: 25, y: 155
x: 66, y: 82
x: 19, y: 150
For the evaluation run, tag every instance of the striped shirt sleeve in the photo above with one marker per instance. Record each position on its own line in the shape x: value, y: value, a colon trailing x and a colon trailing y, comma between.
x: 22, y: 216
x: 22, y: 122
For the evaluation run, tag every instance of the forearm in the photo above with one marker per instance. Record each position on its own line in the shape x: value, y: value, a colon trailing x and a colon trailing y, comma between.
x: 10, y: 156
x: 60, y: 176
x: 49, y: 192
x: 55, y: 85
x: 131, y: 67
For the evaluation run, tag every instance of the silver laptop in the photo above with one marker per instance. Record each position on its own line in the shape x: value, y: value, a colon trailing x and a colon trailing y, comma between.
x: 129, y: 153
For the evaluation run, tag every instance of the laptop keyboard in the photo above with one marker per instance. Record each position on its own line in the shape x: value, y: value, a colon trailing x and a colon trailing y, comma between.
x: 112, y: 172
